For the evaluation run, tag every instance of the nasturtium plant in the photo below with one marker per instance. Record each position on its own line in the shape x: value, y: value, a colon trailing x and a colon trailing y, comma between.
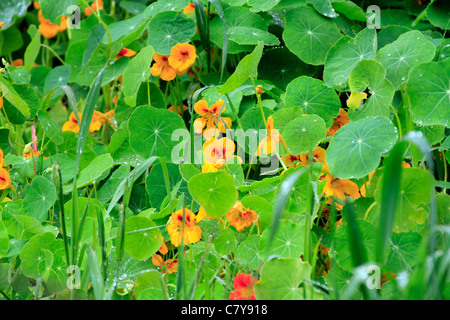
x: 429, y: 93
x: 371, y: 74
x: 310, y: 35
x: 224, y: 150
x: 345, y: 54
x: 347, y: 155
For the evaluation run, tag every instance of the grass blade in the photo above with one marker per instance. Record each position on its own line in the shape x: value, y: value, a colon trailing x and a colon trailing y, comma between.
x: 221, y: 14
x: 95, y: 273
x: 82, y: 136
x: 134, y: 174
x: 56, y: 172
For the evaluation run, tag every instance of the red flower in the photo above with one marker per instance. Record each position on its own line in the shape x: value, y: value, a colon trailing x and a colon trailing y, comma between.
x: 243, y: 287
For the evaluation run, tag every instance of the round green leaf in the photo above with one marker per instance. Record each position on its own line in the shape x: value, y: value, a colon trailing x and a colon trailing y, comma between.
x: 345, y: 55
x: 290, y: 273
x: 248, y: 252
x: 389, y: 34
x: 20, y: 75
x: 59, y: 76
x: 37, y: 254
x: 52, y: 9
x: 415, y: 186
x: 39, y: 197
x: 141, y: 242
x: 9, y: 10
x: 399, y: 57
x: 304, y: 133
x: 439, y: 14
x: 166, y: 29
x: 282, y: 117
x: 370, y: 74
x: 309, y: 35
x: 324, y: 7
x: 287, y: 242
x: 151, y: 130
x: 226, y: 242
x: 356, y: 148
x: 249, y: 36
x: 10, y: 40
x: 403, y: 251
x: 314, y: 97
x: 429, y: 93
x: 341, y: 243
x: 214, y: 191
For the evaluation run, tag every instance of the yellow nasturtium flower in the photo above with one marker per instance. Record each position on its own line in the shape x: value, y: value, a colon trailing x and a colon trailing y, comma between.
x: 355, y: 99
x: 189, y: 232
x: 269, y: 144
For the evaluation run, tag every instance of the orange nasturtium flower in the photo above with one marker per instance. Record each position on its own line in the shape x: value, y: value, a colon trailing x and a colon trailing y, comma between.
x: 241, y: 217
x: 2, y: 24
x: 162, y: 68
x: 268, y: 145
x: 31, y: 154
x: 36, y: 5
x: 48, y: 29
x: 189, y: 232
x: 318, y: 156
x: 17, y: 63
x: 340, y: 188
x: 189, y: 8
x: 125, y: 52
x: 340, y: 121
x: 182, y: 56
x: 5, y: 179
x: 98, y: 119
x: 169, y: 265
x: 88, y: 10
x: 179, y: 111
x: 210, y: 118
x: 243, y: 287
